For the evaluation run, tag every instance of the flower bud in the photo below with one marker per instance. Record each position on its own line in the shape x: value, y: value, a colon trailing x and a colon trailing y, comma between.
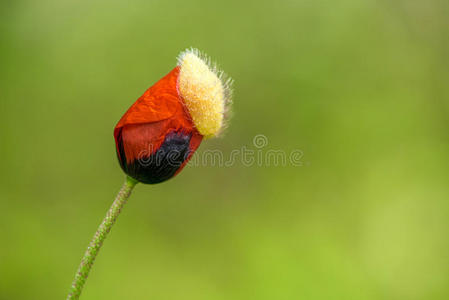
x: 160, y: 132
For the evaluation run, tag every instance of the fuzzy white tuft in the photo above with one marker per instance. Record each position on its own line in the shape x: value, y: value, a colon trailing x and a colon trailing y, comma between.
x: 206, y: 92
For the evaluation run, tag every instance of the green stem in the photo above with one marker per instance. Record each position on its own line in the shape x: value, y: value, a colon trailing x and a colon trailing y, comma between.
x: 98, y: 239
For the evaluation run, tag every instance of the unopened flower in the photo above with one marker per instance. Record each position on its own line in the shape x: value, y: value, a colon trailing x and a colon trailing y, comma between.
x: 160, y: 132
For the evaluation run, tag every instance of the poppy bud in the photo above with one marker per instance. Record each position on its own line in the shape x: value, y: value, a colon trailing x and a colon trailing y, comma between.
x: 160, y: 132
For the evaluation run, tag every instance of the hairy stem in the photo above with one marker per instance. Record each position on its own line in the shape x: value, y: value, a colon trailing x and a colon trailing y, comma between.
x: 98, y: 239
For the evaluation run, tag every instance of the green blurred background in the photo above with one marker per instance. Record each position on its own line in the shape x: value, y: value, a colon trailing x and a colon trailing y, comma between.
x: 360, y: 87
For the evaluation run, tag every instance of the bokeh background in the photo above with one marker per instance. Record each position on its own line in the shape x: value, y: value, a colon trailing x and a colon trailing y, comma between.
x: 360, y: 87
